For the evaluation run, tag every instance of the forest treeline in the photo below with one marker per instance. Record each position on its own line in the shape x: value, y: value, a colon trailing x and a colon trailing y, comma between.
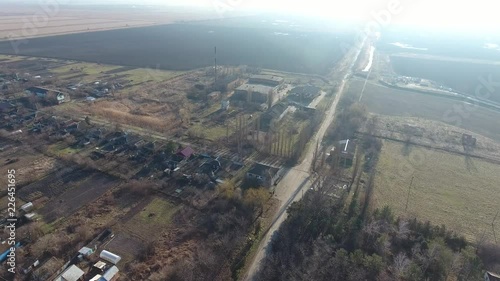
x: 322, y: 240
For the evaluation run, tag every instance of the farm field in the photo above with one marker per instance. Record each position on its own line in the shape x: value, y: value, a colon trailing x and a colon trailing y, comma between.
x: 447, y: 189
x: 189, y: 46
x: 394, y: 102
x: 20, y: 22
x: 461, y: 75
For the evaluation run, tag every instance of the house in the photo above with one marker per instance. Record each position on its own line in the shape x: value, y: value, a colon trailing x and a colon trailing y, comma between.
x: 489, y: 276
x: 344, y: 152
x: 264, y: 175
x: 56, y: 97
x: 51, y: 96
x: 73, y: 273
x: 186, y: 152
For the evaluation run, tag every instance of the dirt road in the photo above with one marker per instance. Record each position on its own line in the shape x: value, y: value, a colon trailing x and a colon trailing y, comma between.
x: 297, y: 180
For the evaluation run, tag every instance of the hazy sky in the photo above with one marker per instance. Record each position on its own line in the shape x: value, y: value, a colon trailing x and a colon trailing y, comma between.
x: 445, y: 13
x: 477, y: 14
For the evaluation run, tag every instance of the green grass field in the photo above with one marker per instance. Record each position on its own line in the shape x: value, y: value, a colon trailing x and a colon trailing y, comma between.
x: 394, y: 102
x: 447, y: 189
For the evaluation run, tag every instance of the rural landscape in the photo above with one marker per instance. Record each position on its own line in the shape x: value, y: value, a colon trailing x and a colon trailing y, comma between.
x: 148, y: 143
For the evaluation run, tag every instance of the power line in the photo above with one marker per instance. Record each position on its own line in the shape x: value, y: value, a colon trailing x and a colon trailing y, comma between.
x: 408, y: 197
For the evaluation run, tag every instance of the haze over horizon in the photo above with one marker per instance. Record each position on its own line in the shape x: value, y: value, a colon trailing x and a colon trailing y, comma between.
x: 477, y: 15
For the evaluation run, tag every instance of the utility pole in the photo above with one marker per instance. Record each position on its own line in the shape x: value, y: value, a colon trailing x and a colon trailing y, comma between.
x: 409, y: 188
x: 215, y: 68
x: 493, y: 226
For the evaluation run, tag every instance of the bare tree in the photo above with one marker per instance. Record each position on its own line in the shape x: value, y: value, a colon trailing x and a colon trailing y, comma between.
x: 400, y: 264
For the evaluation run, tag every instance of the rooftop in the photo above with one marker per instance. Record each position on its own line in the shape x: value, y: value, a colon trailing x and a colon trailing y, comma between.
x: 263, y: 170
x: 100, y: 264
x: 109, y: 274
x: 255, y: 88
x: 347, y: 146
x: 186, y: 152
x: 274, y: 78
x: 73, y: 273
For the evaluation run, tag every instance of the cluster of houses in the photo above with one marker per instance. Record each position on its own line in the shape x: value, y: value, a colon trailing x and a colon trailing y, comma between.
x: 49, y: 96
x: 103, y: 270
x: 97, y: 89
x: 91, y: 263
x: 18, y: 113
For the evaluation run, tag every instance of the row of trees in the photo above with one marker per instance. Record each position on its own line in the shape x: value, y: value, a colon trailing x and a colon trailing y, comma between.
x: 348, y: 121
x: 322, y: 240
x: 208, y: 242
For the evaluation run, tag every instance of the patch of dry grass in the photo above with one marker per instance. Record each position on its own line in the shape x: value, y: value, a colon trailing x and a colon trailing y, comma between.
x: 449, y: 189
x: 143, y: 121
x: 151, y: 220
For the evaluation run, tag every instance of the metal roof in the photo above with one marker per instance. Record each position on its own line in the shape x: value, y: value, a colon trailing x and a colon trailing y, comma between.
x: 255, y: 88
x: 73, y: 273
x: 109, y: 274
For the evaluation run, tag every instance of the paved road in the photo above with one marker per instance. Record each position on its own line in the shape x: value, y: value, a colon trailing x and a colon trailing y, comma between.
x: 297, y: 180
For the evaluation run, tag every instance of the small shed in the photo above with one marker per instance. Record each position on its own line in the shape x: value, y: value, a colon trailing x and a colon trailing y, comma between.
x: 100, y: 265
x: 264, y: 174
x: 186, y: 152
x: 110, y: 257
x: 27, y: 207
x: 30, y: 216
x: 86, y: 251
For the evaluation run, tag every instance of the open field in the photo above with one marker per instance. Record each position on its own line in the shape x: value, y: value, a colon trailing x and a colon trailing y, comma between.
x: 127, y: 246
x: 189, y: 46
x: 149, y: 222
x: 458, y: 44
x: 433, y: 134
x: 462, y: 75
x: 447, y: 189
x: 28, y: 21
x: 387, y: 101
